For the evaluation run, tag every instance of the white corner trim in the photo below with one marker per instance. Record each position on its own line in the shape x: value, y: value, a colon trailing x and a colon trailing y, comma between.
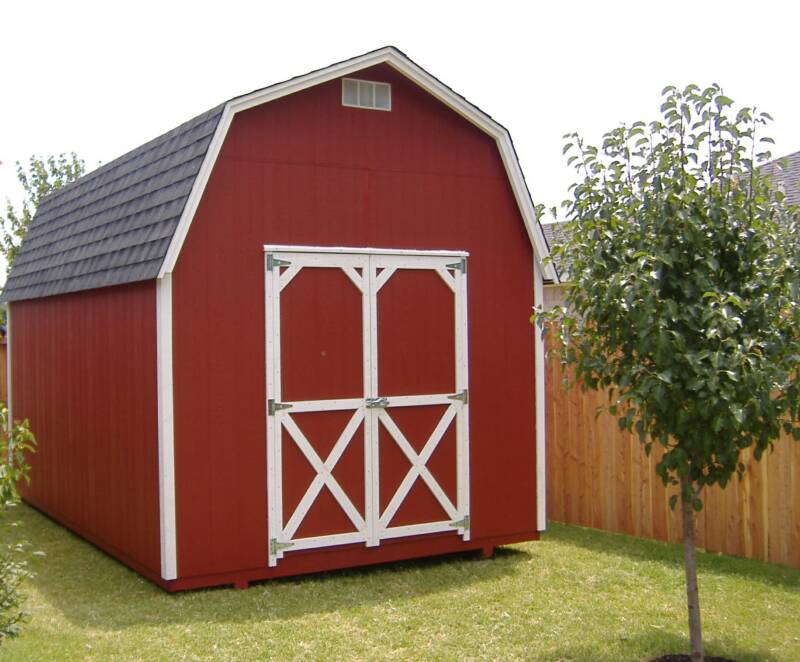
x: 410, y: 70
x: 541, y: 408
x: 166, y: 431
x: 9, y: 379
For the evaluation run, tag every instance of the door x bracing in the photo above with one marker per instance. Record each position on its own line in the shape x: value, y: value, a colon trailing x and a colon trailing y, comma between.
x: 368, y: 271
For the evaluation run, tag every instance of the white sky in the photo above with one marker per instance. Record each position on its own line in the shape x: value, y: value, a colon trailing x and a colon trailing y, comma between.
x: 102, y: 78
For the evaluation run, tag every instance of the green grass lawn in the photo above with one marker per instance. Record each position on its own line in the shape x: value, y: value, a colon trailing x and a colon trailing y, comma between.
x: 578, y: 594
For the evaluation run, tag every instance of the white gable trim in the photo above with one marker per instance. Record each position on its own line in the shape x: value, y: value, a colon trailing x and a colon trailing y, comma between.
x: 401, y: 63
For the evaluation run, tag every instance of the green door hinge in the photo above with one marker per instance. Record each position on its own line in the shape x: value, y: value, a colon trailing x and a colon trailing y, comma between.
x: 461, y: 523
x: 273, y: 262
x: 463, y: 396
x: 276, y: 547
x: 273, y: 406
x: 461, y: 265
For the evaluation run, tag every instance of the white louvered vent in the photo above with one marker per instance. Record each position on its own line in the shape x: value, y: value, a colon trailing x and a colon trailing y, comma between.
x: 366, y: 94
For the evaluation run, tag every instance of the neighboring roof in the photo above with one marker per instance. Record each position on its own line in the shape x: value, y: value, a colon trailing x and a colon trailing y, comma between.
x: 786, y: 177
x: 556, y: 233
x: 785, y: 173
x: 126, y: 221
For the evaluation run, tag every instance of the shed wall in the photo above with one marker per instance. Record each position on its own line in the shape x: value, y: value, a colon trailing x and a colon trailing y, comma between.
x: 84, y: 374
x: 304, y: 170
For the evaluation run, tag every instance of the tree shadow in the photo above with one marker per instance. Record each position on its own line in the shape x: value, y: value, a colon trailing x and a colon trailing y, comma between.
x: 641, y: 549
x: 660, y: 643
x: 92, y: 589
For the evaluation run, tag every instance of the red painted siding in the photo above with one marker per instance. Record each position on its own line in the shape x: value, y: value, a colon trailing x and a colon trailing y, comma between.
x: 306, y: 170
x: 84, y: 374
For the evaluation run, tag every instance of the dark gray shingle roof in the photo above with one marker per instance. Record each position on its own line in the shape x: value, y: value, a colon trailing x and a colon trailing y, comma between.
x: 786, y: 179
x: 113, y: 225
x: 555, y: 233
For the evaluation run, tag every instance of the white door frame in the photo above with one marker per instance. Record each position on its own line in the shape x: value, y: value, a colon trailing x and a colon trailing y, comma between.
x: 368, y: 269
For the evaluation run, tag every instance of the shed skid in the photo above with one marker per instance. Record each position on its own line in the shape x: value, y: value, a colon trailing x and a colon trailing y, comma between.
x: 340, y: 558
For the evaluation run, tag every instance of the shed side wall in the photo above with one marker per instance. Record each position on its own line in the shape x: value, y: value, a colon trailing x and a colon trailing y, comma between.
x: 84, y: 374
x: 304, y: 170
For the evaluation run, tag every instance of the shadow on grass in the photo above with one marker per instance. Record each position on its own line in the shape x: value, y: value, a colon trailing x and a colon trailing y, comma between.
x: 660, y: 643
x: 91, y: 589
x: 639, y: 549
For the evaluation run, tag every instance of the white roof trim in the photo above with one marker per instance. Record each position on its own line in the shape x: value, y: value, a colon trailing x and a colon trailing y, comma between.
x: 409, y: 69
x: 279, y: 248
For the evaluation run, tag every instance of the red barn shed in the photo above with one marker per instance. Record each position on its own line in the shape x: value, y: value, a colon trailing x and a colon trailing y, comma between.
x: 289, y: 335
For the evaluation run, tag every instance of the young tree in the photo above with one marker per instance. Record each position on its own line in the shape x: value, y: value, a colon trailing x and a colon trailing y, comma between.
x: 15, y: 441
x: 42, y: 176
x: 683, y: 302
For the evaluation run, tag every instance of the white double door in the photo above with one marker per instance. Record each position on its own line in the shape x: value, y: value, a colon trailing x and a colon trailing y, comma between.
x: 367, y: 396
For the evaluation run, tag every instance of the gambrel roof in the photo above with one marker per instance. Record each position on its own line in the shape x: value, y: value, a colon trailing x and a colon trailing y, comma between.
x: 113, y: 225
x: 126, y: 221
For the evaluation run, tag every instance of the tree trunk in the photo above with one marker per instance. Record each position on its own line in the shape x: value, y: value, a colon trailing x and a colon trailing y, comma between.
x: 690, y: 565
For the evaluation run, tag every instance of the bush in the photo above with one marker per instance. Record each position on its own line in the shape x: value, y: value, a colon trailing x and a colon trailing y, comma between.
x: 15, y: 441
x: 13, y: 570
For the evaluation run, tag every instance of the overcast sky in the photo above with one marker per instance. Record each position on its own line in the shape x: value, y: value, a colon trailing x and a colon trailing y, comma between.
x: 102, y: 78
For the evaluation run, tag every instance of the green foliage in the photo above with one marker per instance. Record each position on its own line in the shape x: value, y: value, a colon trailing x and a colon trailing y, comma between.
x: 42, y: 176
x: 15, y: 441
x: 13, y: 463
x: 13, y: 570
x: 683, y: 300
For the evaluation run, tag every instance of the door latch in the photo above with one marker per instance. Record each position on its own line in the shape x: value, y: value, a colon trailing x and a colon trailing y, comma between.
x: 375, y: 403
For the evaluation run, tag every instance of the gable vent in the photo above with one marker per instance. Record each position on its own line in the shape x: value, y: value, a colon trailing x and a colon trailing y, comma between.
x: 366, y: 94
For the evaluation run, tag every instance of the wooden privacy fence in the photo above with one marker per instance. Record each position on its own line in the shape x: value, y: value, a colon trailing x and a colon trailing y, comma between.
x: 600, y: 477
